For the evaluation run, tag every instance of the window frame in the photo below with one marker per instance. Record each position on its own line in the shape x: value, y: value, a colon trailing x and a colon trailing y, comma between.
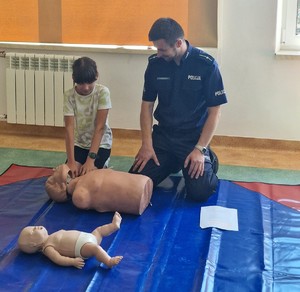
x: 287, y: 42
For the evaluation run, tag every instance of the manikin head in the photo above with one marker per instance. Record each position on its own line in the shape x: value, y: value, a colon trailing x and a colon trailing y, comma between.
x: 56, y: 184
x: 32, y: 238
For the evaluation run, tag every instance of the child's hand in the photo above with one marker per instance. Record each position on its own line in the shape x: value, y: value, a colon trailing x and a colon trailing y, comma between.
x: 87, y: 167
x: 78, y: 263
x: 74, y: 169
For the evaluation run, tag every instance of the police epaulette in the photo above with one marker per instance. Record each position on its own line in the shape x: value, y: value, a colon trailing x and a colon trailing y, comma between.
x: 206, y: 57
x: 203, y: 56
x: 152, y: 57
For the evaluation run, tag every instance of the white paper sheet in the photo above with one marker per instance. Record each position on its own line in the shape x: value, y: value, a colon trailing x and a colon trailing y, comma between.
x: 219, y: 217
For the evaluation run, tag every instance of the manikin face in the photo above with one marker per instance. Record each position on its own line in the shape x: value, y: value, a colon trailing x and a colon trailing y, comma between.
x: 85, y: 88
x: 32, y: 238
x: 60, y: 173
x: 38, y: 234
x: 56, y: 185
x: 167, y: 52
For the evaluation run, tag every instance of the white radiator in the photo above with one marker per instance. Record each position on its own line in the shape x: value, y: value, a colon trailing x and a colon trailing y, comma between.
x: 35, y: 84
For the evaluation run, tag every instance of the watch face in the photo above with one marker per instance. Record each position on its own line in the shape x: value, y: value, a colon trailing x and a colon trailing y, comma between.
x: 92, y: 155
x: 202, y: 149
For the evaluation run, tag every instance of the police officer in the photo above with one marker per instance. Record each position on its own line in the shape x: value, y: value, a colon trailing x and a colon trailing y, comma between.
x: 189, y: 88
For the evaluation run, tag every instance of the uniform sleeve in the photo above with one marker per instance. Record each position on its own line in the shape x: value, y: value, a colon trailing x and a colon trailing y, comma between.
x: 149, y: 90
x: 104, y: 101
x: 214, y: 90
x: 68, y: 106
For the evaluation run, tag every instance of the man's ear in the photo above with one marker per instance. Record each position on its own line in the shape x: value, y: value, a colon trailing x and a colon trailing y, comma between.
x: 178, y: 43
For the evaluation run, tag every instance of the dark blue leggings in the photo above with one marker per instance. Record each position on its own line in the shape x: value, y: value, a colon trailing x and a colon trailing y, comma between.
x: 81, y: 156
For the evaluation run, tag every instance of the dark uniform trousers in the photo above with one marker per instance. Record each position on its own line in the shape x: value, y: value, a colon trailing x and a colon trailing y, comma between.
x: 171, y: 148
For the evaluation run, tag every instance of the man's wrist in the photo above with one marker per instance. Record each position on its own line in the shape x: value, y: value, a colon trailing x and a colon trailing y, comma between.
x: 202, y: 149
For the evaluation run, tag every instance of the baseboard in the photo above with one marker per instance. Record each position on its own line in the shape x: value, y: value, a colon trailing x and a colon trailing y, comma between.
x: 218, y: 140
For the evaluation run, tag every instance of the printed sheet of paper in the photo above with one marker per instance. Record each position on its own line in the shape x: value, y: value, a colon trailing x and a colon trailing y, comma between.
x: 219, y: 217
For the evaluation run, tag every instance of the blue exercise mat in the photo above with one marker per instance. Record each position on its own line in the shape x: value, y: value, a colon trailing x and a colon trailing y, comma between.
x: 164, y: 249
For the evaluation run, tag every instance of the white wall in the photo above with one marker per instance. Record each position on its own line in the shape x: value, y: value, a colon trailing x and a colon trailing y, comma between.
x: 121, y: 73
x: 263, y: 89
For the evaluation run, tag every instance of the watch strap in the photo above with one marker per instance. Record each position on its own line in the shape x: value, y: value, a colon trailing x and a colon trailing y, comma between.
x: 92, y: 155
x: 202, y: 149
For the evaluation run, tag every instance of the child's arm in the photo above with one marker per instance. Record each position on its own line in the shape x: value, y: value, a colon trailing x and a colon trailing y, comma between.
x: 69, y: 140
x: 97, y: 137
x: 57, y: 258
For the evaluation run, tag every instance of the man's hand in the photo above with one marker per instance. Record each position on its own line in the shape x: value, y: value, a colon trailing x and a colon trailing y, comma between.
x: 143, y: 156
x: 196, y: 160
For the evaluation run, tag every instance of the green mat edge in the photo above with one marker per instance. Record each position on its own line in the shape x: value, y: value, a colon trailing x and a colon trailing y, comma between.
x: 228, y: 172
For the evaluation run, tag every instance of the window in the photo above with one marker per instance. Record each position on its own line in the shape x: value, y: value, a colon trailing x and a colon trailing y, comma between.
x: 288, y: 27
x: 117, y: 22
x: 298, y: 18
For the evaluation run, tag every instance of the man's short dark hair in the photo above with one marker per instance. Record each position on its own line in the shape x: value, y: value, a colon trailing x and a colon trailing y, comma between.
x: 167, y: 29
x: 84, y: 70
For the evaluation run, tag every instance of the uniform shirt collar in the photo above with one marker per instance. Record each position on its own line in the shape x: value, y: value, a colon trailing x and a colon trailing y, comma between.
x: 187, y: 53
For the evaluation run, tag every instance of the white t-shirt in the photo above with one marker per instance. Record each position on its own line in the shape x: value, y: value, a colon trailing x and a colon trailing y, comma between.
x: 84, y: 109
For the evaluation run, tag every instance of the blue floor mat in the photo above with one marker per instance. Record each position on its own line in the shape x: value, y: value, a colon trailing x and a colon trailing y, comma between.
x: 164, y: 249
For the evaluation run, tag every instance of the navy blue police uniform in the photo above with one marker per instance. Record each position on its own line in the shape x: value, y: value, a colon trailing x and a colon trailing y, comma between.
x: 184, y: 93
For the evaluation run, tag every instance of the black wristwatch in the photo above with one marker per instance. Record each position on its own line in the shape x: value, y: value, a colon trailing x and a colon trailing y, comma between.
x: 92, y: 155
x: 202, y: 149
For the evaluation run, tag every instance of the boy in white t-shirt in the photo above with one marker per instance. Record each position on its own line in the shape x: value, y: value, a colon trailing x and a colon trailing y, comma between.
x: 86, y: 106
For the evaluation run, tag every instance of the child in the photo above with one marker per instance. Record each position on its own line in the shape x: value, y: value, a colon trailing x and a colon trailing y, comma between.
x: 70, y: 247
x: 86, y: 106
